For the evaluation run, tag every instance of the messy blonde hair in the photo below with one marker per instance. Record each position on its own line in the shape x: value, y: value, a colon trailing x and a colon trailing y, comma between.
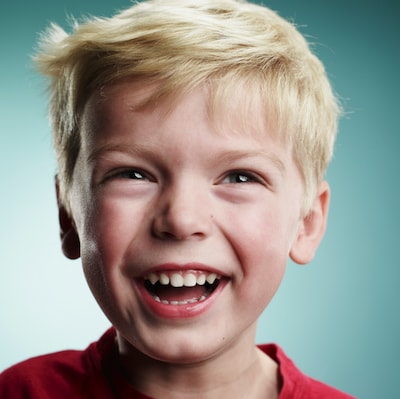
x: 224, y: 44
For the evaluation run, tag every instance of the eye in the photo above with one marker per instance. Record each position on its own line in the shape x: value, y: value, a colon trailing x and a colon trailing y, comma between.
x: 240, y: 177
x: 132, y: 174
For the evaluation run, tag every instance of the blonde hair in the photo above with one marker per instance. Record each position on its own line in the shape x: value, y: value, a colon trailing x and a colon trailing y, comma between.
x: 184, y: 44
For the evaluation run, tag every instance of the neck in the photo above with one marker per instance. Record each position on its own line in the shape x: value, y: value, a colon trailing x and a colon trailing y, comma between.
x: 240, y: 371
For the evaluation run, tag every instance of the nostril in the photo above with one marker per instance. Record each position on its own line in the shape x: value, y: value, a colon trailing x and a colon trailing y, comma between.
x: 165, y: 235
x: 181, y: 224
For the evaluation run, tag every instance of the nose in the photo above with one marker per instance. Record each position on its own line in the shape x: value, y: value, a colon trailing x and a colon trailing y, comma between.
x: 182, y: 213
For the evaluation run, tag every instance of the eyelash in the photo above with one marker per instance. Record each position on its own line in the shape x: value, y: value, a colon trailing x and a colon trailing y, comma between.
x: 242, y: 177
x: 232, y: 177
x: 131, y: 174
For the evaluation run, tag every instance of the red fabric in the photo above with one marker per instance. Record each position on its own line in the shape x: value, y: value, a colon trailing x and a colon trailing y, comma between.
x: 94, y: 374
x: 295, y: 384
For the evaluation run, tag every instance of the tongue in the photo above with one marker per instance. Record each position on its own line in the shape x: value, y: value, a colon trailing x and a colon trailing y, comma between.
x: 169, y: 293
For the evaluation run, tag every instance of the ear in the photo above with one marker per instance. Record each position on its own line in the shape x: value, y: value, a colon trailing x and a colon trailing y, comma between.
x: 312, y: 228
x: 69, y: 237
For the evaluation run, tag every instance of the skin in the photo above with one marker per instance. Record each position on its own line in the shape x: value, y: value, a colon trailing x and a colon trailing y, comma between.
x: 160, y: 187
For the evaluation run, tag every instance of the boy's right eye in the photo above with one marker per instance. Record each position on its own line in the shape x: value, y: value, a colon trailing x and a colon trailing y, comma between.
x: 131, y: 174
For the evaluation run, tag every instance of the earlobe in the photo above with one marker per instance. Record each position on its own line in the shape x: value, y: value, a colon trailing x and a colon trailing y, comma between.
x: 69, y: 237
x: 312, y: 228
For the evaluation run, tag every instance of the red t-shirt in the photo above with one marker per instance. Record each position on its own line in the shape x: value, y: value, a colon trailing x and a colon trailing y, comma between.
x: 94, y: 374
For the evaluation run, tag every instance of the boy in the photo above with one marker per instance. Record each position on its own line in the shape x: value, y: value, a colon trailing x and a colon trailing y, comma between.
x: 192, y: 138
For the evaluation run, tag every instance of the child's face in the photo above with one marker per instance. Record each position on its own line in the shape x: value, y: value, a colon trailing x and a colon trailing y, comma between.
x: 161, y: 195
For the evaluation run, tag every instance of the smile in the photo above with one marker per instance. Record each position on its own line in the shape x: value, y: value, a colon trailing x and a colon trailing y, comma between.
x: 181, y: 288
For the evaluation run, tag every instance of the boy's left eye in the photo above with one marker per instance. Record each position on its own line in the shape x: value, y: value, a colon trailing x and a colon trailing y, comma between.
x: 240, y: 177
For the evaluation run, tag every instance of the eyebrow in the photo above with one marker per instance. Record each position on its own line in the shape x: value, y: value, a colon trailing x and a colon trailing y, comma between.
x: 237, y: 155
x: 129, y: 150
x: 228, y: 156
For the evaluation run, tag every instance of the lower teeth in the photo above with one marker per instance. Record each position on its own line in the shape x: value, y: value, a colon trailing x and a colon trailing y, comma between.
x: 185, y: 302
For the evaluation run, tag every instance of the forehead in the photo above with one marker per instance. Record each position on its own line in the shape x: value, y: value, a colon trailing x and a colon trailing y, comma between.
x: 231, y: 109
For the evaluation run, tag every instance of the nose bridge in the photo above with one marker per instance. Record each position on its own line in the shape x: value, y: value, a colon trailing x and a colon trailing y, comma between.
x: 183, y: 210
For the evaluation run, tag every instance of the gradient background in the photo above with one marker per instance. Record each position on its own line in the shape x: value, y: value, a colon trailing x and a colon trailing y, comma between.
x: 338, y: 317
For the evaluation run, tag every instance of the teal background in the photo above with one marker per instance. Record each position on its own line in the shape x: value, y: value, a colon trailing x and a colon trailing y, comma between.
x: 337, y: 317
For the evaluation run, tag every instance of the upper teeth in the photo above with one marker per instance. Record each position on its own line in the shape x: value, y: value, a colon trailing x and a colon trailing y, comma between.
x: 177, y: 279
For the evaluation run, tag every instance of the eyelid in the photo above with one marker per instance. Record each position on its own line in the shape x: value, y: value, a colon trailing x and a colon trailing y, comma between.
x: 254, y: 178
x: 123, y: 172
x: 109, y: 162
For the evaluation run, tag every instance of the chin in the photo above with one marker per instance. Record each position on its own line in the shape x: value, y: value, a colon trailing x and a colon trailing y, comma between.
x: 174, y: 348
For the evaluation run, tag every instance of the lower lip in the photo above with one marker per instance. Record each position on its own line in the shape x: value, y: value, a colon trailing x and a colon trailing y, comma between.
x: 178, y: 311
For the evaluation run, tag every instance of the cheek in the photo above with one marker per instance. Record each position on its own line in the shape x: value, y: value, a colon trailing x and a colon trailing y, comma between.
x: 261, y: 241
x: 111, y: 226
x: 110, y: 229
x: 262, y: 232
x: 105, y: 238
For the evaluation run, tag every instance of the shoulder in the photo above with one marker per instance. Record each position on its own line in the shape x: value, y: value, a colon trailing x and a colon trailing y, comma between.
x: 63, y: 374
x: 297, y: 385
x: 43, y: 375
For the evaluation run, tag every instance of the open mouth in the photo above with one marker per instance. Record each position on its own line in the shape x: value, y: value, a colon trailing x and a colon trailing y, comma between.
x: 181, y: 288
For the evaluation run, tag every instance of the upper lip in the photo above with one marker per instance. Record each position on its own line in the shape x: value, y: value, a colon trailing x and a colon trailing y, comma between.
x: 185, y: 268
